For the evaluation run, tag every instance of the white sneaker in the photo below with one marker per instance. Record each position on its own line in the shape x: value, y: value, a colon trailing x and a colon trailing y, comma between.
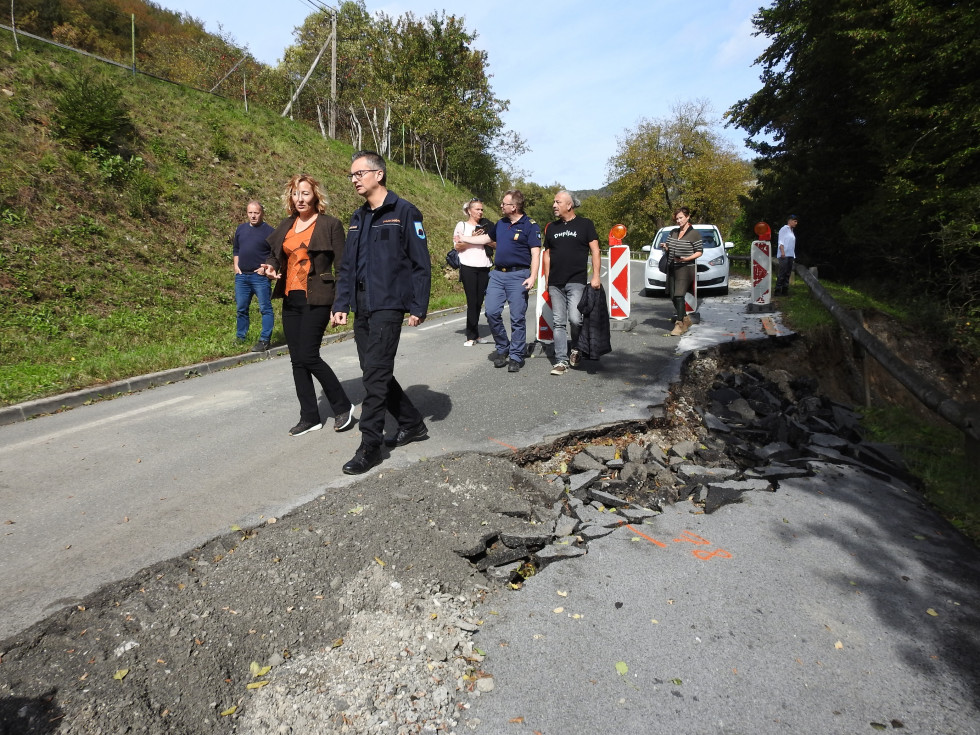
x: 560, y: 368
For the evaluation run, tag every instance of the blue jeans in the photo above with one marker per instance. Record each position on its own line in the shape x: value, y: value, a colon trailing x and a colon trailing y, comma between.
x: 508, y: 288
x: 565, y: 314
x: 245, y: 285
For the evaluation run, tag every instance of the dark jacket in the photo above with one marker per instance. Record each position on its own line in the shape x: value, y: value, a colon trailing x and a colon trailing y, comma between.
x: 326, y: 253
x: 398, y: 273
x: 593, y: 335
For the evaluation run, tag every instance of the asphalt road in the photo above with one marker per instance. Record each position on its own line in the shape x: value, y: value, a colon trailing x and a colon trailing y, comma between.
x: 837, y: 604
x: 92, y: 495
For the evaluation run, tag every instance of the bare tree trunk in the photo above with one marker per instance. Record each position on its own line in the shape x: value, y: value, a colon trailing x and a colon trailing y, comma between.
x: 355, y: 126
x: 438, y: 167
x: 319, y: 117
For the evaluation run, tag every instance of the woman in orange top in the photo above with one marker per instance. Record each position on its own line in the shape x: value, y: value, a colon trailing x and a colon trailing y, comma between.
x: 307, y: 249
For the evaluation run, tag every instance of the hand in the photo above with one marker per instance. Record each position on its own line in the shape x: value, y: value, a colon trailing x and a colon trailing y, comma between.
x: 528, y: 283
x: 456, y: 238
x: 414, y: 321
x: 338, y: 318
x: 596, y: 282
x: 238, y: 271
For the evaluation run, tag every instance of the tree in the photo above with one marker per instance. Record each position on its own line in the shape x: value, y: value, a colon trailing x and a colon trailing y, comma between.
x: 677, y: 161
x: 872, y: 110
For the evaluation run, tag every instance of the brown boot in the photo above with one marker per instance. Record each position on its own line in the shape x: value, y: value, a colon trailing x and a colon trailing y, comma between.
x: 687, y: 323
x: 678, y: 329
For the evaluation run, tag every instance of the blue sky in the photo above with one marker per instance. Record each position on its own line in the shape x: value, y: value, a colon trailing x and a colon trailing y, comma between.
x: 577, y: 73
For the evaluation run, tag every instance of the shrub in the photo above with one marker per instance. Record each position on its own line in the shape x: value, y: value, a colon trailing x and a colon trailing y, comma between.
x: 90, y: 113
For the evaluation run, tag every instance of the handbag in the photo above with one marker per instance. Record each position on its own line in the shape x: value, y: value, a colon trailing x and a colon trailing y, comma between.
x: 452, y: 259
x: 664, y: 265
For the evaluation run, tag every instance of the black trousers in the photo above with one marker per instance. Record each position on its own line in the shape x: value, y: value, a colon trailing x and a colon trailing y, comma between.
x: 475, y: 282
x: 303, y: 326
x: 377, y: 334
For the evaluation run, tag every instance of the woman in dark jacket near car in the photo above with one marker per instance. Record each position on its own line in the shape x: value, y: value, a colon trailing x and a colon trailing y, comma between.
x: 307, y: 249
x: 683, y: 246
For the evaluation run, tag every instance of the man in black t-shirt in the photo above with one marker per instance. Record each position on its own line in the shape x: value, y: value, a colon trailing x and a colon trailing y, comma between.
x: 568, y: 242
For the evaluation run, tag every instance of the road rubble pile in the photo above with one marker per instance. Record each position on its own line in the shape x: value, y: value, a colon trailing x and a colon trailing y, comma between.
x: 357, y: 612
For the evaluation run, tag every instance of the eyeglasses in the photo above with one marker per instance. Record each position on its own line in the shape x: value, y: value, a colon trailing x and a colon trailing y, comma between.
x: 507, y: 204
x: 358, y: 175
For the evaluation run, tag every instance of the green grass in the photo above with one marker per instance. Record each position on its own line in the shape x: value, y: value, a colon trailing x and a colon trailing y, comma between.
x: 118, y: 262
x: 936, y: 454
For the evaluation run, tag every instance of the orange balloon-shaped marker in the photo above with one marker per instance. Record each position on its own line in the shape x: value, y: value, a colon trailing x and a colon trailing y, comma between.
x: 618, y: 231
x: 762, y: 231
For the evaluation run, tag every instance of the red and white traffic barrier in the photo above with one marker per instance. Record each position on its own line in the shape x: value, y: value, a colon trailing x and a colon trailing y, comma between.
x: 619, y: 274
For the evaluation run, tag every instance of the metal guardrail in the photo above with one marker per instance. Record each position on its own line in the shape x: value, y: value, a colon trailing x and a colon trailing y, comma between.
x: 964, y: 417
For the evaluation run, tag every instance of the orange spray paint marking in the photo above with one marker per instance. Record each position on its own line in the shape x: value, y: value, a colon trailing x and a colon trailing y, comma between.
x: 643, y: 535
x: 513, y: 449
x: 705, y: 554
x: 692, y: 538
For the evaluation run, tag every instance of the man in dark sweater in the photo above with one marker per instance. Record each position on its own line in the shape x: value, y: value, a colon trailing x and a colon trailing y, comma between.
x: 250, y: 251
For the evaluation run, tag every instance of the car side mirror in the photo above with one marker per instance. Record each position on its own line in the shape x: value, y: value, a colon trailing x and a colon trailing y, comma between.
x: 729, y: 245
x: 646, y: 249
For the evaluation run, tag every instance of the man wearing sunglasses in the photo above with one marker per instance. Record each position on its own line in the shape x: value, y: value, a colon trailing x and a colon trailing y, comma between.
x: 385, y: 274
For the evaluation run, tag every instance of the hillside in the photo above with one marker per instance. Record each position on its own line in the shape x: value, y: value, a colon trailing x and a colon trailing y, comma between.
x: 116, y: 260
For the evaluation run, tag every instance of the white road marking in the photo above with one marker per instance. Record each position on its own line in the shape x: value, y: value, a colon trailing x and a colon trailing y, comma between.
x: 442, y: 323
x: 92, y: 424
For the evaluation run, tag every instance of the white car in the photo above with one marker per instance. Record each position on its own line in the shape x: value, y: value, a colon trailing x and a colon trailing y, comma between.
x: 712, y: 265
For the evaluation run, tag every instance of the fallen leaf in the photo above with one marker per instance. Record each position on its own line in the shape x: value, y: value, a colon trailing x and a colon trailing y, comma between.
x: 257, y: 670
x: 356, y: 511
x: 621, y: 668
x: 838, y: 645
x: 236, y: 527
x: 932, y: 612
x: 516, y: 720
x: 879, y: 726
x: 478, y: 651
x: 120, y: 674
x: 337, y: 643
x: 561, y: 593
x: 380, y: 563
x: 230, y: 711
x: 676, y: 682
x: 558, y: 610
x: 654, y: 621
x: 256, y: 684
x: 576, y: 616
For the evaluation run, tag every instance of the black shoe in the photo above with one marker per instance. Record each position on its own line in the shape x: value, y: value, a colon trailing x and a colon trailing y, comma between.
x: 499, y: 359
x: 407, y: 436
x: 514, y: 366
x: 305, y: 427
x: 343, y: 421
x: 362, y: 461
x: 261, y: 346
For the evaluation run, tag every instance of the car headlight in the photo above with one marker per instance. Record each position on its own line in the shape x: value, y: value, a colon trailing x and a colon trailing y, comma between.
x: 720, y: 260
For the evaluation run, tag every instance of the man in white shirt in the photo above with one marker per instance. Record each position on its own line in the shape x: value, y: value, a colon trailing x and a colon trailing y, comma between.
x: 786, y: 255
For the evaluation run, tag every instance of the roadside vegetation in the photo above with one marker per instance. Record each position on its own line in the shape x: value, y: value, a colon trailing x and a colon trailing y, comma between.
x: 118, y: 198
x: 865, y: 126
x: 934, y: 451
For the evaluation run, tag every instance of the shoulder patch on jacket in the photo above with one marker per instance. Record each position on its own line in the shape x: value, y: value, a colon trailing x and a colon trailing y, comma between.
x: 418, y: 230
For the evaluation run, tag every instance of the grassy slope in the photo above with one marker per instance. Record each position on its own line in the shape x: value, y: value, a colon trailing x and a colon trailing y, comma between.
x: 89, y: 292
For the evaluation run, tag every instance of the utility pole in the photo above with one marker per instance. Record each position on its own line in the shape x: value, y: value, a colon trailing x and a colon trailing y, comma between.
x: 333, y: 78
x: 13, y: 26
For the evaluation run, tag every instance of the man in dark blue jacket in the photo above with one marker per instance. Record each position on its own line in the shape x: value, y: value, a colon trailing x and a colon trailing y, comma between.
x: 386, y: 273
